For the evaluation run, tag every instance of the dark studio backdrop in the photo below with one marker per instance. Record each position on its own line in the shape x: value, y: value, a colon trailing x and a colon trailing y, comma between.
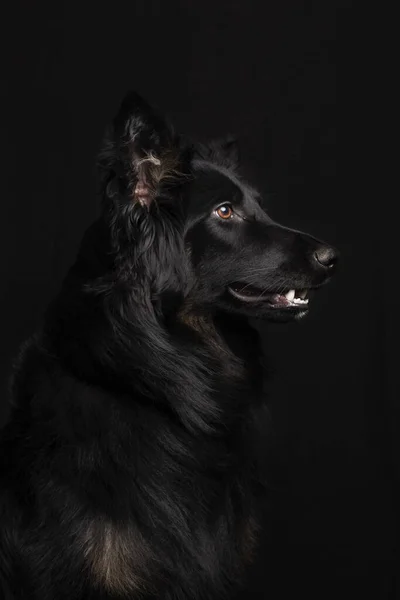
x: 267, y: 72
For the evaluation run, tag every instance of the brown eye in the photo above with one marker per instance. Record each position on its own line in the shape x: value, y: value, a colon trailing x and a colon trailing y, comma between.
x: 225, y: 211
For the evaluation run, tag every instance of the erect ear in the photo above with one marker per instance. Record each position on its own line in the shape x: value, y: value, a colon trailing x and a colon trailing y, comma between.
x: 229, y: 147
x: 223, y: 151
x: 139, y: 152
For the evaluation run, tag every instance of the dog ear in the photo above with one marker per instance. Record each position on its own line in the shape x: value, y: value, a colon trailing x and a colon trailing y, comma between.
x: 229, y: 148
x: 223, y: 151
x: 139, y: 153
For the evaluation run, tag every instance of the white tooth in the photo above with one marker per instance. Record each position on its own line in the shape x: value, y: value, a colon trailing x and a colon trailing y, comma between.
x: 290, y: 295
x: 300, y: 301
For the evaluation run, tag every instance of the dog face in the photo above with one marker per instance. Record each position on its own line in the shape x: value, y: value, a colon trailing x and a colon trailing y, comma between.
x: 184, y: 219
x: 244, y: 261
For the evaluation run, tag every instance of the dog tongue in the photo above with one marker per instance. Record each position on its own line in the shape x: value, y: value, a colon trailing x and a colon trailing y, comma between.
x: 279, y: 300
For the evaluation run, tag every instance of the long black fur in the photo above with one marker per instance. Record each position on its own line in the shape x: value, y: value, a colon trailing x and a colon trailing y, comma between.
x: 130, y: 464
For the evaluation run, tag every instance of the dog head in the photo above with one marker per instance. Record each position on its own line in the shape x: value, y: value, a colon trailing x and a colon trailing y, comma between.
x: 186, y: 228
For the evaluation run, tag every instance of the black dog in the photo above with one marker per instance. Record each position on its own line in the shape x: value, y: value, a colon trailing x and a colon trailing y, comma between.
x: 129, y: 467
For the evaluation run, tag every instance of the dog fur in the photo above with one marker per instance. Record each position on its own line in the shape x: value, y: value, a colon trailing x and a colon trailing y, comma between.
x: 130, y: 466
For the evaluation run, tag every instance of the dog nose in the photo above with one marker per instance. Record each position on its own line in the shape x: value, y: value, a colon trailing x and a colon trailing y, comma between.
x: 326, y: 256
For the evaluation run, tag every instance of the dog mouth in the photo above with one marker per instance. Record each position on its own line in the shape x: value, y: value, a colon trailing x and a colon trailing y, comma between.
x: 293, y: 298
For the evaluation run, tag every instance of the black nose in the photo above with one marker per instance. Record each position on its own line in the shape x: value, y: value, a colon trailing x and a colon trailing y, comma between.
x: 326, y: 256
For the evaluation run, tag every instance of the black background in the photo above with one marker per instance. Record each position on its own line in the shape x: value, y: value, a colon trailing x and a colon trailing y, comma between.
x: 266, y: 71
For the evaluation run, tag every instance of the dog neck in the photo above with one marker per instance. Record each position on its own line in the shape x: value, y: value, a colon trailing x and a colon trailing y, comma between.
x: 231, y: 339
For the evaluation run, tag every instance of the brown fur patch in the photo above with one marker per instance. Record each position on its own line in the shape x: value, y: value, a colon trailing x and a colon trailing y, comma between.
x: 234, y: 369
x: 248, y: 540
x: 152, y: 172
x: 118, y: 559
x: 201, y: 324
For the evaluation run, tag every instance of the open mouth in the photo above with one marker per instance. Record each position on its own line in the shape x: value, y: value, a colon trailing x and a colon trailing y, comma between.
x: 290, y: 299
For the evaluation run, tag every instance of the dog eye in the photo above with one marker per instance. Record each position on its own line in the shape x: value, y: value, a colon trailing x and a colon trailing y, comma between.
x: 225, y: 211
